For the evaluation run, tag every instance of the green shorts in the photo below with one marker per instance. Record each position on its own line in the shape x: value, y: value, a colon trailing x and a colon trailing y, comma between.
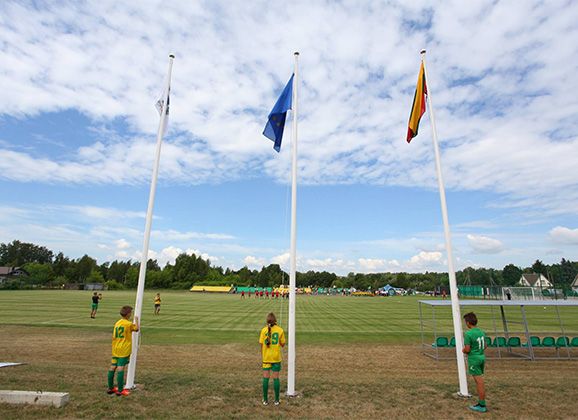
x: 94, y: 306
x: 476, y: 365
x: 275, y: 367
x: 120, y: 361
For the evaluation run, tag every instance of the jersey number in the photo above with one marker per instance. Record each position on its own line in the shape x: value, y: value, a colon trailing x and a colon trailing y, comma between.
x: 275, y: 338
x: 119, y: 332
x: 481, y: 342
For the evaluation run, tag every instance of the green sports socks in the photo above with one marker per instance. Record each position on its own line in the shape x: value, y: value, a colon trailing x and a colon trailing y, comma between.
x: 110, y: 379
x: 265, y: 389
x: 277, y: 387
x: 482, y: 402
x: 120, y: 380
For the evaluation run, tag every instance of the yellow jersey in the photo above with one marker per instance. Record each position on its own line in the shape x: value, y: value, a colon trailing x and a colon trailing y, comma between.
x: 272, y: 353
x: 157, y: 300
x: 122, y: 338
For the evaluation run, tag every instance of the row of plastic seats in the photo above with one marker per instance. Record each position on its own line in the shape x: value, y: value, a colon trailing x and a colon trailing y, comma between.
x: 563, y: 341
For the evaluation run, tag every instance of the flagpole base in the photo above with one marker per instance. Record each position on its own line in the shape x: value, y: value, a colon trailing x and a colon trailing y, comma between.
x: 295, y: 394
x: 135, y: 387
x: 463, y: 396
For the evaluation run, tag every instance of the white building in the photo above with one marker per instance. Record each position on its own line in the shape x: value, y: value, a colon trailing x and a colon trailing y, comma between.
x: 574, y: 284
x: 535, y: 280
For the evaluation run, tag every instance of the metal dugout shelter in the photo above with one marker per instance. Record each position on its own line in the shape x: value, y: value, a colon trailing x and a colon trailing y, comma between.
x: 507, y: 342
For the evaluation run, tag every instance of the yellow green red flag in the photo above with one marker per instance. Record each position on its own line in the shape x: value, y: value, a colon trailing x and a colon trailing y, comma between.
x: 418, y: 107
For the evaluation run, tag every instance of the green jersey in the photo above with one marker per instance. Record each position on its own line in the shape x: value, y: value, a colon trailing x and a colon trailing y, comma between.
x: 476, y: 339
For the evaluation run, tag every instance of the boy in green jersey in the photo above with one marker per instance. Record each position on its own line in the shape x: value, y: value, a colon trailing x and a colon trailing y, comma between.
x: 474, y: 345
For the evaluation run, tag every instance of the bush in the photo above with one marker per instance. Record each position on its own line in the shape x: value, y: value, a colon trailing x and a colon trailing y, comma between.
x: 114, y: 285
x: 181, y: 285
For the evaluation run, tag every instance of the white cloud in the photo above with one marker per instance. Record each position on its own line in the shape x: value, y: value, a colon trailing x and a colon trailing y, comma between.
x: 253, y: 262
x: 122, y: 244
x: 371, y: 264
x: 485, y: 244
x: 488, y: 106
x: 564, y: 235
x: 121, y: 255
x: 282, y: 260
x: 175, y: 236
x: 94, y: 212
x: 425, y: 260
x: 327, y: 264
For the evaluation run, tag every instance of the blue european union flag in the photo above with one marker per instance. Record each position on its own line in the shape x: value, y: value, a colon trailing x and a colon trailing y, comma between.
x: 276, y: 120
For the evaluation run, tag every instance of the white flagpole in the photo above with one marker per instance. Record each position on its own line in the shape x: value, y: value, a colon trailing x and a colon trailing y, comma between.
x: 293, y: 262
x: 147, y: 233
x: 456, y: 315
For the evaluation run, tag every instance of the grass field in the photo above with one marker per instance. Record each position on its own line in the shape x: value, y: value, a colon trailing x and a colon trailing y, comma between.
x: 356, y: 357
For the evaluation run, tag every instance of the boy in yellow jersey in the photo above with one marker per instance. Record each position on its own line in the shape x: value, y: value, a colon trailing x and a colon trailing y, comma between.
x: 271, y: 339
x: 121, y: 350
x: 157, y: 304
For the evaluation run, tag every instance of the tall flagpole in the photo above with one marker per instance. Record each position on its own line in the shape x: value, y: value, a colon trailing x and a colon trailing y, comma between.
x: 293, y: 262
x: 457, y: 319
x: 147, y: 233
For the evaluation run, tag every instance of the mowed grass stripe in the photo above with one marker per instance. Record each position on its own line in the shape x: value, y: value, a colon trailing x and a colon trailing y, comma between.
x: 210, y: 318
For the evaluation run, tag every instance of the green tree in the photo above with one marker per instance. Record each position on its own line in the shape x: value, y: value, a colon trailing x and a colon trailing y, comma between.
x: 511, y: 275
x: 95, y: 276
x: 117, y: 270
x: 16, y: 254
x: 153, y: 265
x: 39, y: 273
x: 567, y: 271
x: 60, y: 264
x: 84, y: 268
x: 131, y: 276
x: 539, y: 268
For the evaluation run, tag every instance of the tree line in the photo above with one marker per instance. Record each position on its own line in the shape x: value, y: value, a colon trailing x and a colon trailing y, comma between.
x: 49, y: 270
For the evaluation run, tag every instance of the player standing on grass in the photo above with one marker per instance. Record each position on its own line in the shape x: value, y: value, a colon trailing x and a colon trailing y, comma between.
x: 95, y: 300
x: 271, y: 339
x: 474, y: 345
x: 121, y: 350
x: 157, y: 304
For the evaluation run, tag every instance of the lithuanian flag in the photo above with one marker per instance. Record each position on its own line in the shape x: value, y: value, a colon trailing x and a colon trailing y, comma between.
x: 418, y: 107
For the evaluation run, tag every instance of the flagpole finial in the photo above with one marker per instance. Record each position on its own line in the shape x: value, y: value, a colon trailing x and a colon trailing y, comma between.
x: 296, y: 53
x: 171, y: 56
x: 422, y: 52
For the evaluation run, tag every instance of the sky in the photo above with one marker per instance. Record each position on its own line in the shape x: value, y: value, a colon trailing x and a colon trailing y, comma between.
x: 78, y: 125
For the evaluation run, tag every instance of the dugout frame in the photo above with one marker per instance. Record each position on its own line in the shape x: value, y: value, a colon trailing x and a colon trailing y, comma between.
x: 523, y: 352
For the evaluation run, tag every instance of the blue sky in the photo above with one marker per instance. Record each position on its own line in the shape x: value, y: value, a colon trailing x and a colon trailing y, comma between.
x: 78, y: 126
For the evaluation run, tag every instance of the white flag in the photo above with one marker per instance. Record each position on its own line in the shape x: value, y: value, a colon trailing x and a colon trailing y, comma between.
x: 160, y: 104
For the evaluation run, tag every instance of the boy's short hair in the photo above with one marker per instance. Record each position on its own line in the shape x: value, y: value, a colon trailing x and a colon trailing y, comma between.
x: 471, y: 318
x: 125, y: 310
x: 95, y: 293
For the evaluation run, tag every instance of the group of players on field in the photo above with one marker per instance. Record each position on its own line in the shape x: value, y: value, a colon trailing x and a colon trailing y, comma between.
x: 275, y: 294
x: 271, y: 340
